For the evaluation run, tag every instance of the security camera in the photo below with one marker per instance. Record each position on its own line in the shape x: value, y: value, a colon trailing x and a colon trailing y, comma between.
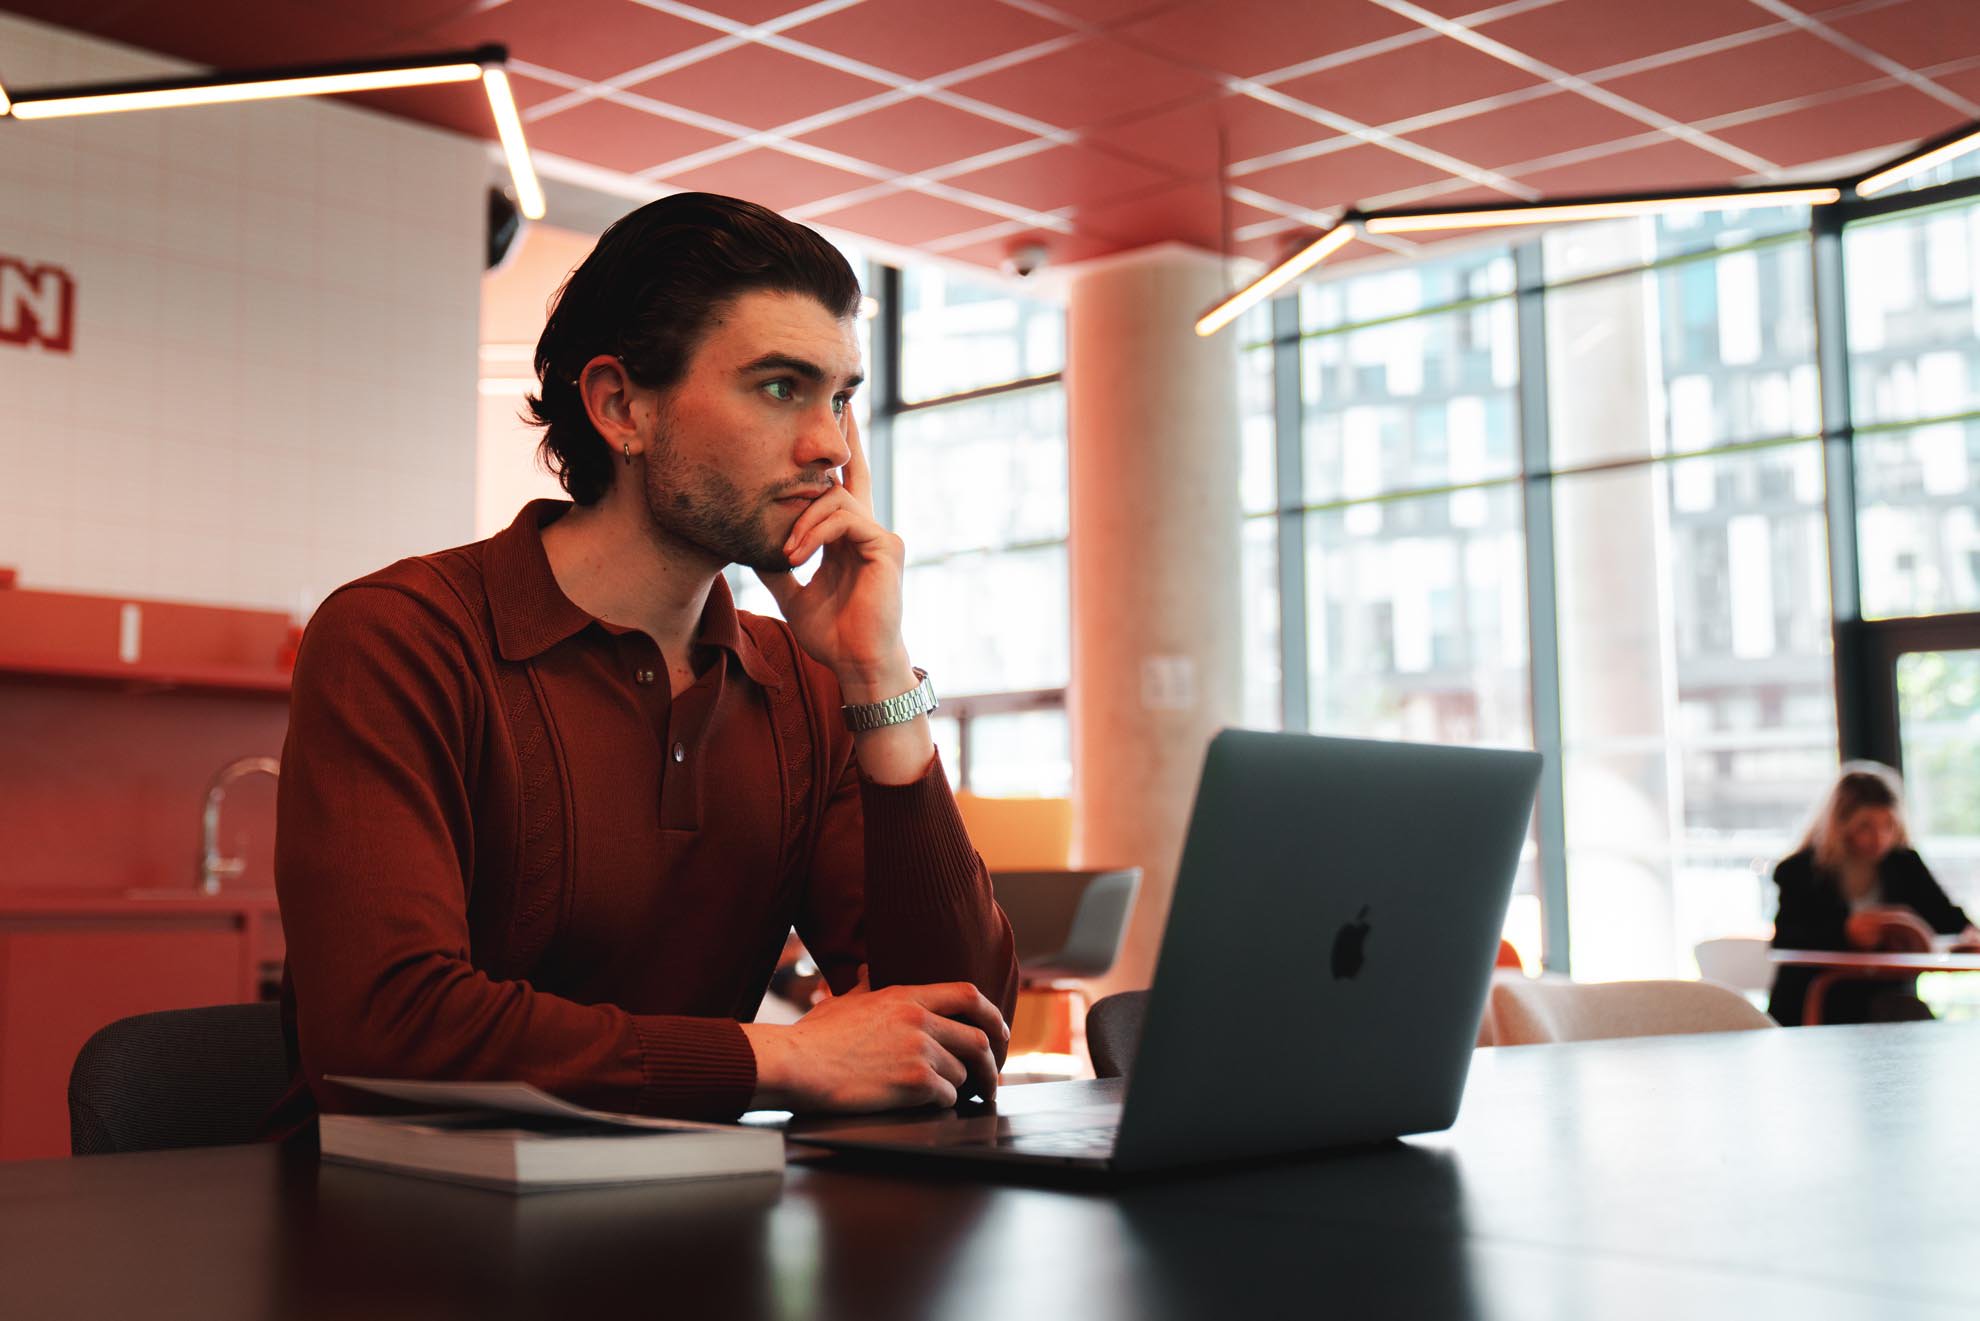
x: 1026, y: 259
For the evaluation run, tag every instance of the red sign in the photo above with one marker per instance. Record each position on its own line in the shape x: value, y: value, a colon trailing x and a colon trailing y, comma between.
x: 37, y: 305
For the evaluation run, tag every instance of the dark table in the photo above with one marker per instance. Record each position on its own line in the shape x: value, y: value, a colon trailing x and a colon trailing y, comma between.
x: 1806, y: 1173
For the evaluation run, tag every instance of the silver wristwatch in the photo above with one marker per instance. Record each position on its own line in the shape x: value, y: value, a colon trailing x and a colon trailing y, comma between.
x: 917, y: 701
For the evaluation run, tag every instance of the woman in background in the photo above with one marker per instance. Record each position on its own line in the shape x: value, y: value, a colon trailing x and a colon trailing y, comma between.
x: 1856, y: 858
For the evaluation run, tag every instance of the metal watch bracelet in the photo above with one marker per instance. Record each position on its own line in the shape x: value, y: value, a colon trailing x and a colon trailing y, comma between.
x: 916, y: 701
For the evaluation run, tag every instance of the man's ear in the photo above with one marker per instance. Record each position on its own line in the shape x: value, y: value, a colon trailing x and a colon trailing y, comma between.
x: 609, y: 396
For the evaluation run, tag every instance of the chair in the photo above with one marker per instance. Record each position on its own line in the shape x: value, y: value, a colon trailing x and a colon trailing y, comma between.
x: 1069, y: 925
x: 1113, y: 1031
x: 178, y: 1078
x: 1509, y: 957
x: 1528, y: 1012
x: 1739, y: 962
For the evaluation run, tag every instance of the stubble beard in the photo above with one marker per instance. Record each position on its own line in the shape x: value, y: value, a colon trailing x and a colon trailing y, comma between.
x: 702, y: 507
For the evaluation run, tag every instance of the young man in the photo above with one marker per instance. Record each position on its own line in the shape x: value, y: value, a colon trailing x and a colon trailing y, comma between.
x: 550, y: 804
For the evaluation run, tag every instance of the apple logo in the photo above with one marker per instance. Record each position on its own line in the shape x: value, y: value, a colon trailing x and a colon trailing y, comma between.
x: 1349, y: 945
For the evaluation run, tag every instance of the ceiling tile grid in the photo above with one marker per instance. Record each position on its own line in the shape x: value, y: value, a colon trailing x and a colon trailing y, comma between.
x: 965, y: 127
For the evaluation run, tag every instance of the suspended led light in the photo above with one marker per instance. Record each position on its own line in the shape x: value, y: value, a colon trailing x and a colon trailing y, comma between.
x: 508, y: 125
x: 1276, y: 279
x: 257, y: 85
x: 1966, y: 140
x: 483, y: 63
x: 1548, y: 213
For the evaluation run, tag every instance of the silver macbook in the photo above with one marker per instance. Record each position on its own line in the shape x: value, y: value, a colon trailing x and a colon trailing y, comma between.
x: 1326, y: 959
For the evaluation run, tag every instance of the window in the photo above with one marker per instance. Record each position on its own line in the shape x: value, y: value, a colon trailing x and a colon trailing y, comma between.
x: 958, y: 336
x: 1697, y: 703
x: 1914, y: 359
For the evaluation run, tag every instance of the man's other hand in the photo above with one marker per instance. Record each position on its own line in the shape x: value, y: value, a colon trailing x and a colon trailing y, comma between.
x: 881, y: 1050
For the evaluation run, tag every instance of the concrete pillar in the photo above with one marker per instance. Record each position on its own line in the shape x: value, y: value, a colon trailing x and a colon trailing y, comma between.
x: 1152, y: 412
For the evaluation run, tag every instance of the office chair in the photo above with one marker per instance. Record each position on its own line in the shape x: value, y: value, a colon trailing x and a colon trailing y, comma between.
x: 179, y: 1078
x: 1113, y: 1030
x: 1527, y: 1012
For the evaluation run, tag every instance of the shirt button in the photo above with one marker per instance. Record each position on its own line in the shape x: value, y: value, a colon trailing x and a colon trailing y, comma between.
x: 643, y: 676
x: 680, y: 752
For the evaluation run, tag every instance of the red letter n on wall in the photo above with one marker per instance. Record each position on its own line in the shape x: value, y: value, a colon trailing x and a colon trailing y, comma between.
x: 37, y: 305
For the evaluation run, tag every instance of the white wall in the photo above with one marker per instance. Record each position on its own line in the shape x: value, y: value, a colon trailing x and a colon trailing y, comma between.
x: 515, y: 302
x: 272, y: 388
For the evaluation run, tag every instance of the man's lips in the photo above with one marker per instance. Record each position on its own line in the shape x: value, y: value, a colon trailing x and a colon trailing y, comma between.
x: 802, y: 497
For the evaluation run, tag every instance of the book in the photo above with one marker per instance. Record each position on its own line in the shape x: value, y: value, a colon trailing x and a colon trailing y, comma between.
x: 510, y: 1135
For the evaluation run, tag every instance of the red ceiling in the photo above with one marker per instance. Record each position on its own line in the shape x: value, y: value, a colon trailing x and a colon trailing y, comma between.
x: 965, y: 127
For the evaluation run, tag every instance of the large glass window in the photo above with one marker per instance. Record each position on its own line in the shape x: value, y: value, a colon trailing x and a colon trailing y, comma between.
x: 979, y: 495
x: 1416, y: 624
x: 1681, y: 482
x: 959, y: 335
x: 1697, y: 703
x: 1914, y: 356
x: 1706, y: 352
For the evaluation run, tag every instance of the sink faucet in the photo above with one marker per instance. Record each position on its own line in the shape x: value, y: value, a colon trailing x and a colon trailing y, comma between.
x: 211, y: 865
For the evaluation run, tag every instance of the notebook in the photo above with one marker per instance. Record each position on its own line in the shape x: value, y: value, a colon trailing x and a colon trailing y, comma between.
x: 512, y: 1136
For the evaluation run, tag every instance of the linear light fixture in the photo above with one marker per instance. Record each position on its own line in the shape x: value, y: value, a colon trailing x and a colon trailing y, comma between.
x: 5, y: 104
x: 462, y: 66
x: 508, y: 124
x: 1950, y: 147
x: 1277, y: 278
x: 1596, y: 208
x: 257, y: 84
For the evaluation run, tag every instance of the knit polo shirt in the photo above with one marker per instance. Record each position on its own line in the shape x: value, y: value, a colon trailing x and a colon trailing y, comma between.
x: 505, y: 850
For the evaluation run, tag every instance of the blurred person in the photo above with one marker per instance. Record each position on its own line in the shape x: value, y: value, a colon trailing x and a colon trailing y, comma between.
x: 1853, y: 866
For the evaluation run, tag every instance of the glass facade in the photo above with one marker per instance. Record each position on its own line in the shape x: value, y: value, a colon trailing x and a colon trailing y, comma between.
x: 1682, y: 569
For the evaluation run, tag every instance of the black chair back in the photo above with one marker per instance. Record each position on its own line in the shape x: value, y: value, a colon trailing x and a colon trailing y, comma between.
x: 1113, y: 1030
x: 179, y: 1078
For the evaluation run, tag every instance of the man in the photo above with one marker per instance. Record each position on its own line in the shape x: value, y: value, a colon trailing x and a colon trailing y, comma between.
x: 550, y: 804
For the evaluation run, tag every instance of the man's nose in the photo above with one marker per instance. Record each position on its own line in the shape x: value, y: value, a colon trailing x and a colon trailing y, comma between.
x: 822, y: 443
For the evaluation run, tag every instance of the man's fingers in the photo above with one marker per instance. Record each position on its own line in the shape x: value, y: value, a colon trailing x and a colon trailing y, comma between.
x: 969, y: 1049
x: 810, y: 516
x: 962, y: 1001
x: 850, y: 525
x: 858, y: 478
x: 944, y: 1060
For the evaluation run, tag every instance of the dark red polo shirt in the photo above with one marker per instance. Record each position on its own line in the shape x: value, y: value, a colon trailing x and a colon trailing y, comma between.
x: 506, y: 851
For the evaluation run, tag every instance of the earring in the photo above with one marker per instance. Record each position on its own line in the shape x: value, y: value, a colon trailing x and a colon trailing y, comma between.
x: 627, y: 447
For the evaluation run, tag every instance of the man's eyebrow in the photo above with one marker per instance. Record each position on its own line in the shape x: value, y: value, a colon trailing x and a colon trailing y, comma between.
x: 811, y: 371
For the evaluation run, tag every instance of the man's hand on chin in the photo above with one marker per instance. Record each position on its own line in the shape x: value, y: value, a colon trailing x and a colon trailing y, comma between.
x: 881, y: 1050
x: 848, y: 617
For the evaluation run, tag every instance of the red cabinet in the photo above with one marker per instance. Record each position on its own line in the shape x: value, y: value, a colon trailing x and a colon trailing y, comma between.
x: 69, y: 965
x: 114, y: 716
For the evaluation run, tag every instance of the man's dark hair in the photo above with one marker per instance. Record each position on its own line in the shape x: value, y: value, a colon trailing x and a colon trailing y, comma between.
x: 647, y: 294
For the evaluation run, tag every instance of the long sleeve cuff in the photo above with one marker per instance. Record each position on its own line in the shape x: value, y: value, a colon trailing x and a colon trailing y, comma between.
x: 914, y: 832
x: 693, y: 1068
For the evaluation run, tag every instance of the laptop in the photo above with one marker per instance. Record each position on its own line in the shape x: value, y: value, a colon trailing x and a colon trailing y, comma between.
x: 1326, y: 960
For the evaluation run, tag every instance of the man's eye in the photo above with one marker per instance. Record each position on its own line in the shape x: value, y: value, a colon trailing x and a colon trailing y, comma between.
x: 780, y: 390
x: 839, y: 403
